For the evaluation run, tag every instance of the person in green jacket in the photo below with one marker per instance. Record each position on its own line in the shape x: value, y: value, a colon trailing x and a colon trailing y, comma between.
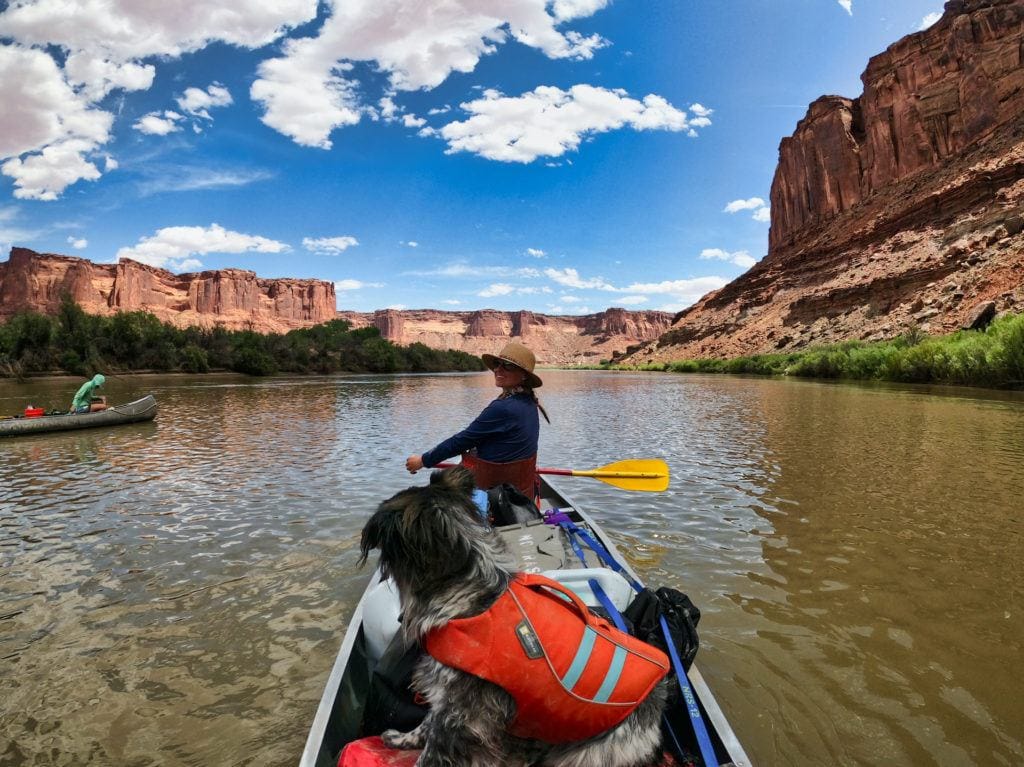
x: 85, y: 400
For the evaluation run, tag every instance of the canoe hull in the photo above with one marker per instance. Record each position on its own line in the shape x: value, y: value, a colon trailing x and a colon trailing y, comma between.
x: 140, y: 410
x: 337, y: 720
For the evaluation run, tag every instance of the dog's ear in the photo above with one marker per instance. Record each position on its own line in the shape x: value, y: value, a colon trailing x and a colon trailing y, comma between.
x: 457, y: 478
x: 384, y: 530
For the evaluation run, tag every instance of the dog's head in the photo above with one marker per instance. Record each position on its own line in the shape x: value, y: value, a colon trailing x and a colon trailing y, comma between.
x: 426, y: 534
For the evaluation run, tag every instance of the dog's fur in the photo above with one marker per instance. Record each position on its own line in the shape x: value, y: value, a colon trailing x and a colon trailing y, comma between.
x: 447, y: 563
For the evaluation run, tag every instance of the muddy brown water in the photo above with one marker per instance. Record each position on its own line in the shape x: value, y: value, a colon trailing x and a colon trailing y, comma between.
x: 174, y: 593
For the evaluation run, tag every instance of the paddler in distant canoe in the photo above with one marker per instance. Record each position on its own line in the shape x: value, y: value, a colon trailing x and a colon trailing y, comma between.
x: 85, y: 400
x: 503, y: 438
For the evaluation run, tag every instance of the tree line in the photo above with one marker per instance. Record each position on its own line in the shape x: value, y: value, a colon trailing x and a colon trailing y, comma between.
x: 79, y: 343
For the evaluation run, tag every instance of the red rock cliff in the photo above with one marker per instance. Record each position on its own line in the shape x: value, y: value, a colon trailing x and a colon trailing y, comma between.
x: 233, y: 298
x: 900, y: 209
x: 556, y: 340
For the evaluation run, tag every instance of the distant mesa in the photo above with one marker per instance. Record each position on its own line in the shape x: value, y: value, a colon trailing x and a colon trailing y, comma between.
x: 237, y: 299
x: 902, y: 209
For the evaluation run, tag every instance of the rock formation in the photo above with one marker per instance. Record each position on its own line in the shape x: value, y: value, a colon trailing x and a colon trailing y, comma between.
x: 239, y: 300
x: 900, y: 209
x: 556, y: 340
x: 232, y: 298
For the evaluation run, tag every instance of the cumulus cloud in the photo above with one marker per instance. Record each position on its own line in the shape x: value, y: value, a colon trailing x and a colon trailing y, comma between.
x: 47, y: 123
x: 570, y: 278
x: 739, y: 258
x: 930, y: 19
x: 78, y: 243
x: 535, y: 252
x: 173, y: 247
x: 159, y: 123
x: 496, y: 289
x: 305, y: 94
x: 847, y: 5
x: 329, y: 246
x: 548, y: 122
x: 737, y: 205
x: 51, y: 125
x: 197, y: 102
x: 761, y: 210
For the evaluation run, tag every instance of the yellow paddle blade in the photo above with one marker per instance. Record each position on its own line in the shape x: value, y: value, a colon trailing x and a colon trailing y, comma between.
x: 649, y: 474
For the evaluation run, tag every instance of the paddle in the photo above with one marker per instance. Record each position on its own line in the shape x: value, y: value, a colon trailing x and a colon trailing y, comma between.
x: 648, y: 474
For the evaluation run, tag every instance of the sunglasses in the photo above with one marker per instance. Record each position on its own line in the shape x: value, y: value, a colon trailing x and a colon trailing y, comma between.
x: 505, y: 365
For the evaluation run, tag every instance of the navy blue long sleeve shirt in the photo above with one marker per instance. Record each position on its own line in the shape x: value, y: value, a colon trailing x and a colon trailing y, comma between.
x: 506, y: 430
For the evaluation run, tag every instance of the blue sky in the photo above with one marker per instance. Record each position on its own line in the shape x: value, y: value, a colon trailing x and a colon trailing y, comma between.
x: 561, y: 156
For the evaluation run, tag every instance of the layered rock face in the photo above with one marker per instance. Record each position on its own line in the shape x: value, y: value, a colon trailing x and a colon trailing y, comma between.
x: 232, y: 298
x: 900, y: 209
x: 556, y: 340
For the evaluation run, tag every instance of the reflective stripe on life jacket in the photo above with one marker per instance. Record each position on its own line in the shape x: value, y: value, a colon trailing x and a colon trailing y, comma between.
x: 572, y: 674
x: 520, y: 474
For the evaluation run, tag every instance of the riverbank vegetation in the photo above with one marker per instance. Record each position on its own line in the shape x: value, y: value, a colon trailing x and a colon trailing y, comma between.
x: 77, y: 343
x: 992, y: 358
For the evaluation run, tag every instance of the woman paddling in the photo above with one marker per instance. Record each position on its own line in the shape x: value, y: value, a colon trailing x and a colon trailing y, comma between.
x: 501, y: 444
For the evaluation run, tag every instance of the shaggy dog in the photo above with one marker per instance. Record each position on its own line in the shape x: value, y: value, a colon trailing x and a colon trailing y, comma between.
x: 447, y: 563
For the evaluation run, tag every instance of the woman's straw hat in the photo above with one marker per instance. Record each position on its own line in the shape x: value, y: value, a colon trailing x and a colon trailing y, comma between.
x: 519, y: 356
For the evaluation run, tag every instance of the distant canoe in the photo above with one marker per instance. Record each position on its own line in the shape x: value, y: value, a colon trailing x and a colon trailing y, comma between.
x: 140, y: 410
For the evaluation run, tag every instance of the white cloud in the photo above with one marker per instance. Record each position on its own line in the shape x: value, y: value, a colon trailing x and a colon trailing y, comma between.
x: 569, y: 299
x: 930, y: 19
x: 440, y: 110
x: 535, y: 252
x: 571, y: 279
x: 496, y: 289
x: 173, y: 246
x: 159, y: 123
x: 78, y: 243
x: 417, y: 45
x: 410, y: 243
x: 547, y: 122
x: 50, y: 113
x: 349, y: 285
x: 763, y: 215
x: 329, y: 246
x: 197, y: 102
x: 737, y: 205
x: 848, y: 5
x: 452, y: 302
x: 700, y: 110
x: 739, y: 258
x: 631, y: 300
x: 12, y: 235
x: 43, y: 112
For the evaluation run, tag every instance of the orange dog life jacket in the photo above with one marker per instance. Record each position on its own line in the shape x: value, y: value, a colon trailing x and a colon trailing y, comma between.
x: 572, y: 674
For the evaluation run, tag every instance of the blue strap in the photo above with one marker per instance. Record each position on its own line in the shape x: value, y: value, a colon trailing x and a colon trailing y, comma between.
x: 707, y: 751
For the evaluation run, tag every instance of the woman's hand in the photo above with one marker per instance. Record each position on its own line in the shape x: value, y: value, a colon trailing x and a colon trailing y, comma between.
x: 414, y: 463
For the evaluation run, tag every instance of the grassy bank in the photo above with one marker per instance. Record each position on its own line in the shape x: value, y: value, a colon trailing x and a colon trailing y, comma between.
x: 991, y: 358
x: 81, y: 344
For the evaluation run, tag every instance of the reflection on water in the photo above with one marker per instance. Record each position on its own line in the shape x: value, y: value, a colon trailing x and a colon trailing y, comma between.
x: 174, y: 592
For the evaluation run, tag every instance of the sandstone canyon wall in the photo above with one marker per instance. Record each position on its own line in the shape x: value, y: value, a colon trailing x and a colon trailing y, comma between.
x: 232, y: 298
x: 900, y: 209
x: 556, y: 340
x: 239, y: 300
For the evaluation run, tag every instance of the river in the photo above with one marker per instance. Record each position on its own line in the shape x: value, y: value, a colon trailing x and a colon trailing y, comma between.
x: 174, y: 593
